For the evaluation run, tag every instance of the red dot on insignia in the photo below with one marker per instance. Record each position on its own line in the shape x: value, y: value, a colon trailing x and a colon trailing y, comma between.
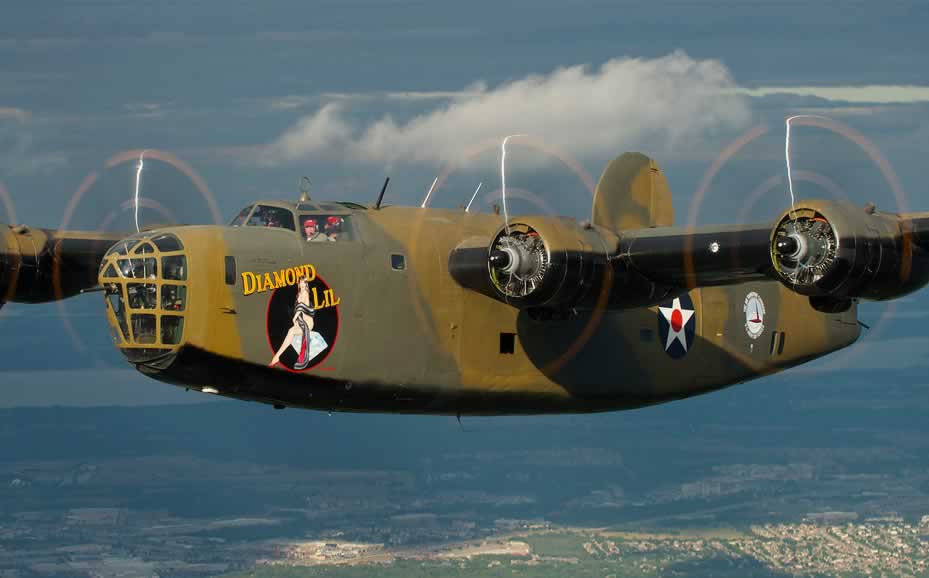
x: 677, y: 320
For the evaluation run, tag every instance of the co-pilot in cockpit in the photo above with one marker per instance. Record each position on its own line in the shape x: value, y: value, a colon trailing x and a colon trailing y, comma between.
x: 325, y: 228
x: 334, y: 227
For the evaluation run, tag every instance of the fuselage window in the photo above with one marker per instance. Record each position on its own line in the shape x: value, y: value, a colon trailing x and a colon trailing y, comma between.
x: 230, y: 270
x: 265, y: 216
x: 327, y: 228
x: 507, y: 343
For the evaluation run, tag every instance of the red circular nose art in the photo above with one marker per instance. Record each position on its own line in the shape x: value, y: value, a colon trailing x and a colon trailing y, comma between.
x: 677, y: 320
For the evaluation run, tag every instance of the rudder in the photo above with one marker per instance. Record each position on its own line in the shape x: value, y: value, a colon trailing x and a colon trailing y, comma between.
x: 632, y: 194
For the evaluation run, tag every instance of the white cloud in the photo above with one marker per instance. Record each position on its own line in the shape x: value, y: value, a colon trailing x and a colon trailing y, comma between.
x: 871, y: 93
x: 312, y: 135
x: 625, y: 103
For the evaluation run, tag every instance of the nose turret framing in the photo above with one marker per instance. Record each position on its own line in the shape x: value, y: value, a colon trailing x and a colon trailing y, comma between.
x: 145, y: 282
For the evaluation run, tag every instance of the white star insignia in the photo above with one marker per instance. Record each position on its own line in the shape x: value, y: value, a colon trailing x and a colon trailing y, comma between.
x: 683, y: 317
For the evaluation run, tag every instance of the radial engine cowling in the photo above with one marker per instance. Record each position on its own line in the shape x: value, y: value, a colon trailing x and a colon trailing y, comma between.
x: 840, y: 251
x: 535, y: 262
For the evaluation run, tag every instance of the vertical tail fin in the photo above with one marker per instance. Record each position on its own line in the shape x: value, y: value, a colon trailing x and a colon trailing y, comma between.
x: 632, y: 194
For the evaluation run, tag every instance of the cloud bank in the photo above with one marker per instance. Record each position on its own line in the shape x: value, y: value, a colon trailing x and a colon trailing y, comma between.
x: 625, y: 103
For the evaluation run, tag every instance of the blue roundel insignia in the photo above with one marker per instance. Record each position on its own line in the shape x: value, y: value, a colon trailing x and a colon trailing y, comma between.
x: 677, y: 322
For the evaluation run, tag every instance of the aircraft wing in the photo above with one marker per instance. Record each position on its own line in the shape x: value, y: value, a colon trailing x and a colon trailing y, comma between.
x: 38, y: 265
x: 697, y: 257
x: 831, y: 251
x: 818, y: 248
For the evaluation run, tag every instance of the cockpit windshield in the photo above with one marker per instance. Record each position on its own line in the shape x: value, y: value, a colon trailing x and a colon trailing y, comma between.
x: 240, y: 218
x: 314, y: 221
x: 265, y: 216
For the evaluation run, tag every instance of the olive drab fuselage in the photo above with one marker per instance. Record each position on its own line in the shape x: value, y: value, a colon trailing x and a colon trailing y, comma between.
x: 398, y: 334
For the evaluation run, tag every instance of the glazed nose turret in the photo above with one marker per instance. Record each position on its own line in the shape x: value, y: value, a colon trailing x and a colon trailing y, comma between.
x: 145, y: 280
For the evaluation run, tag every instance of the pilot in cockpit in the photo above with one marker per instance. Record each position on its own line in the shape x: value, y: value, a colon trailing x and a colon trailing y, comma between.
x: 312, y: 232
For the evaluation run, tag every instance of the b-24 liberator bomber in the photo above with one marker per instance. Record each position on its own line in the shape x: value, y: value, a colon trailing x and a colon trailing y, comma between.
x: 343, y: 306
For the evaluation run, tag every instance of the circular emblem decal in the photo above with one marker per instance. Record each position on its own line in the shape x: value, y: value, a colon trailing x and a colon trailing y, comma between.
x: 677, y: 322
x: 754, y: 315
x: 303, y: 323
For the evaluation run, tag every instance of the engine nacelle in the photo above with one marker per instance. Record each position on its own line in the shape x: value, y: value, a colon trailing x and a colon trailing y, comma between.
x: 7, y: 283
x: 836, y: 250
x: 39, y: 265
x: 535, y: 262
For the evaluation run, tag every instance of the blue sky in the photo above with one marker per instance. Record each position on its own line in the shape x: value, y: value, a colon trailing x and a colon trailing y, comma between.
x: 253, y: 95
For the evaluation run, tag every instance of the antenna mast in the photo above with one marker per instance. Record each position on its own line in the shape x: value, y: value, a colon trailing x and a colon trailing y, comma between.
x: 380, y: 197
x: 304, y: 185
